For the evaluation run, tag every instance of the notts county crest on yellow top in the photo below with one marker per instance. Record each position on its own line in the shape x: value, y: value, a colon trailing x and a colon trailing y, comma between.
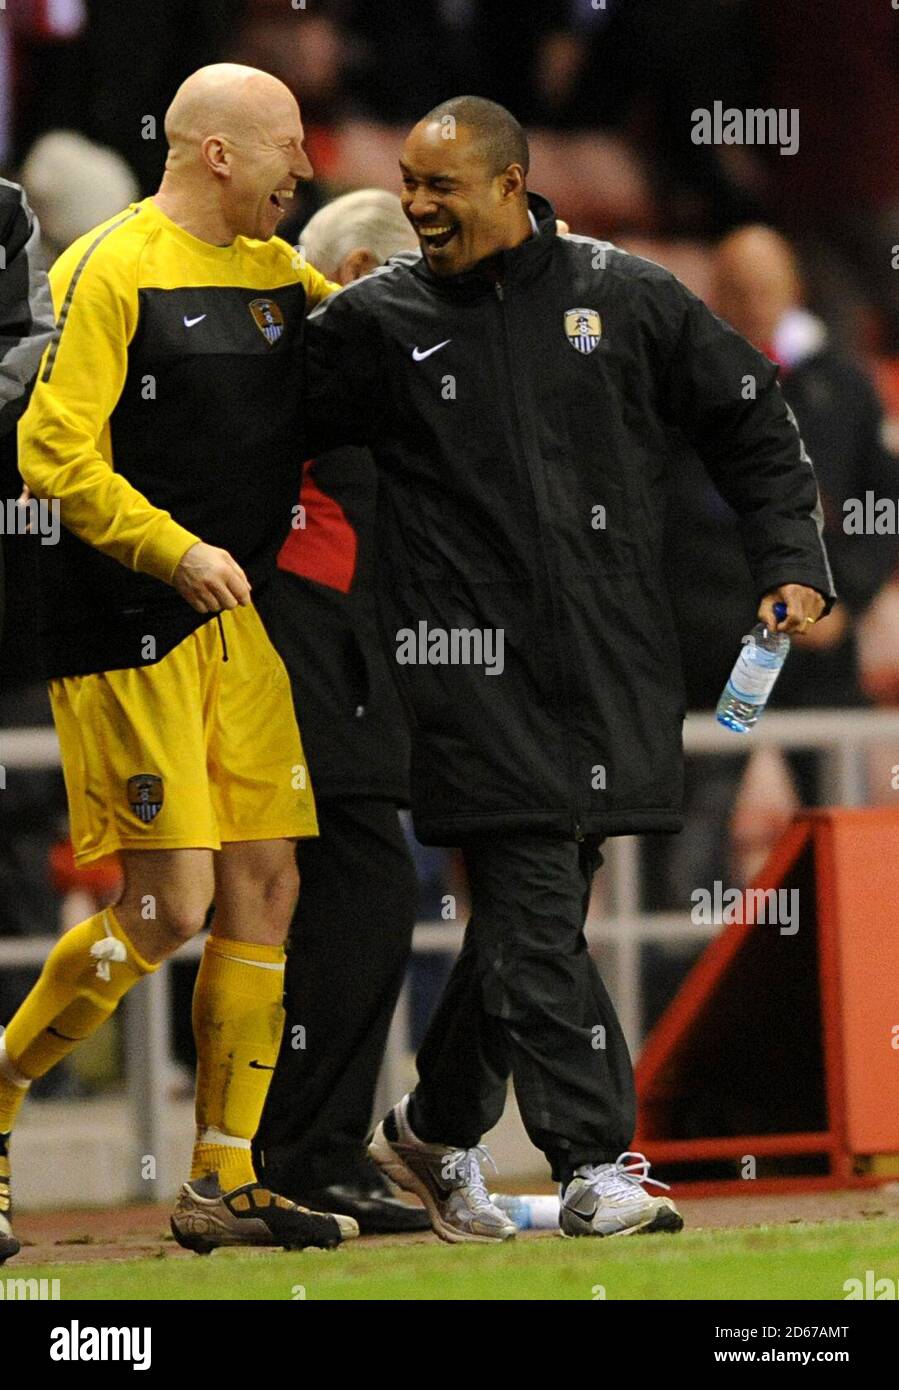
x: 268, y: 319
x: 583, y: 328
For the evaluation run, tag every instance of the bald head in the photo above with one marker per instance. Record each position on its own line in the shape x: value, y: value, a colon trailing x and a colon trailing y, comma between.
x: 236, y: 153
x: 225, y: 99
x: 755, y: 281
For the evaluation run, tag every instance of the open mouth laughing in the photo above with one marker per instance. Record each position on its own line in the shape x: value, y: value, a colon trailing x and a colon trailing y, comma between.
x: 436, y: 237
x: 280, y: 198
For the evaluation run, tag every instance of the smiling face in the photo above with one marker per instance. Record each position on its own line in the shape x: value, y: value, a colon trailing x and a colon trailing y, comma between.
x: 265, y: 161
x: 462, y: 212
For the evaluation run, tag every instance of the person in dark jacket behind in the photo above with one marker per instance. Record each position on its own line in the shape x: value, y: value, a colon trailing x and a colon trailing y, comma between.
x: 757, y: 288
x: 352, y: 930
x: 520, y: 392
x: 26, y: 327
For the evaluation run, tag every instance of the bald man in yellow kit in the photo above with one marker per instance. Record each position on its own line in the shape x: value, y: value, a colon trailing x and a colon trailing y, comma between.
x: 164, y: 420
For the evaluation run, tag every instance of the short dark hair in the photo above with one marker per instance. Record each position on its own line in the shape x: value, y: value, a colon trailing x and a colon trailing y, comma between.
x: 503, y: 139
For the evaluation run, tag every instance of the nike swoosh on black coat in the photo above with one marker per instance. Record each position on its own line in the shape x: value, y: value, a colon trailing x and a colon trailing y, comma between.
x: 494, y: 454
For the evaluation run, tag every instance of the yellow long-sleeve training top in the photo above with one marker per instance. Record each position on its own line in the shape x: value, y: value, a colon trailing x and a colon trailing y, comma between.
x: 166, y: 411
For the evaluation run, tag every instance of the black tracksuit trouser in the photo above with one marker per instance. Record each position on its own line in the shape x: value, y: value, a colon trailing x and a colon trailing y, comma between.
x: 525, y: 999
x: 347, y: 953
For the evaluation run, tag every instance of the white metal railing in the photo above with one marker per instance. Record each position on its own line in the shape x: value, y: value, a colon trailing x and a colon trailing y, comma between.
x: 843, y: 737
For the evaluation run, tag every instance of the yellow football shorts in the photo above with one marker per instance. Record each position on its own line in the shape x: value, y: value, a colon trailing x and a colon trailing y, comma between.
x: 197, y: 750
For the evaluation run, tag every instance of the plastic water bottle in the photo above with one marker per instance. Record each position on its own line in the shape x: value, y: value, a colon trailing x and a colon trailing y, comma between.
x: 530, y: 1213
x: 745, y: 696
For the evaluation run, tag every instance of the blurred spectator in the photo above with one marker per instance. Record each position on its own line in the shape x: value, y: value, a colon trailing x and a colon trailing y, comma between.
x: 640, y: 68
x: 74, y: 185
x: 356, y: 233
x: 26, y: 327
x: 756, y: 287
x: 408, y: 57
x: 37, y: 63
x: 6, y: 92
x: 308, y: 49
x: 31, y: 803
x: 113, y: 78
x: 839, y: 64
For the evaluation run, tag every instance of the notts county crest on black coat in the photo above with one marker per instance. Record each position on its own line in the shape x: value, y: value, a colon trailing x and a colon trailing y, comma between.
x: 268, y: 319
x: 145, y: 796
x: 583, y: 328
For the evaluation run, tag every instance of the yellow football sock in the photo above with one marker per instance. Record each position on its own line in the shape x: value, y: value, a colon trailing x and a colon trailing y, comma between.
x: 85, y: 975
x: 238, y: 1018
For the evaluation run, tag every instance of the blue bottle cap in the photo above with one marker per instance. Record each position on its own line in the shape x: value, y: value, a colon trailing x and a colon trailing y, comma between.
x: 780, y: 611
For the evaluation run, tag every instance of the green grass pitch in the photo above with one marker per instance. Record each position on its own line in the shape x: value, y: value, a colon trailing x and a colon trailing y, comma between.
x: 799, y: 1260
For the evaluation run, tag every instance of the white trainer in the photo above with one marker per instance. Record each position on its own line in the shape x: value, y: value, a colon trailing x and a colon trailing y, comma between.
x: 609, y: 1199
x: 449, y: 1181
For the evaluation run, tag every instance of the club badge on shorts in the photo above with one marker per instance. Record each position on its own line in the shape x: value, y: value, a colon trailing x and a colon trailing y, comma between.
x: 145, y: 796
x: 583, y: 329
x: 268, y: 319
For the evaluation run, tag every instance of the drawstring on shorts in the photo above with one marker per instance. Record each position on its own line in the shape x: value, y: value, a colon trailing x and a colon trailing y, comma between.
x: 218, y: 618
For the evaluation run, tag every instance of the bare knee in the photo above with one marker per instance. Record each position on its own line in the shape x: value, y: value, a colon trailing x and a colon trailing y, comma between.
x: 281, y: 891
x: 162, y: 910
x: 183, y: 919
x: 272, y: 898
x: 166, y: 921
x: 255, y: 896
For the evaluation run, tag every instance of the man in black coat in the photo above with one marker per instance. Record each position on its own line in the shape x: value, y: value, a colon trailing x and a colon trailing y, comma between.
x: 520, y: 392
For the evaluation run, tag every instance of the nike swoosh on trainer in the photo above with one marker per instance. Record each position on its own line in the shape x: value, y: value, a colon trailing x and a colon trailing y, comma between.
x: 259, y: 1066
x: 419, y: 356
x: 189, y: 323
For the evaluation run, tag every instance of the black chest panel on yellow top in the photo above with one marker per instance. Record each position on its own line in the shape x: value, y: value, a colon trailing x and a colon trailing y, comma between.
x: 208, y: 427
x: 207, y: 424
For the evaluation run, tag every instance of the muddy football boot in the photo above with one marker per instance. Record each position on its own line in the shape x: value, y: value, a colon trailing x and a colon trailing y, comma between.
x: 9, y: 1246
x: 205, y: 1218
